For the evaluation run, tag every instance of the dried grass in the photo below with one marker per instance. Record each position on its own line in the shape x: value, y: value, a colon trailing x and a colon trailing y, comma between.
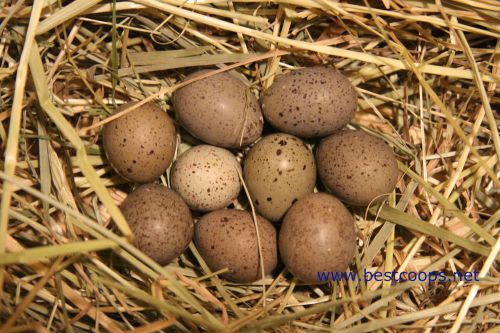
x: 427, y: 75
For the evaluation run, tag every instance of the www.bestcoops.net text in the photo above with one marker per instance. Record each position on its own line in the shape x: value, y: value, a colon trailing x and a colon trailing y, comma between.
x: 397, y: 277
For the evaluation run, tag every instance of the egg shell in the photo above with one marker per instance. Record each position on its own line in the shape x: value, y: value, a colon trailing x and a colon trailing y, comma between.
x: 310, y: 102
x: 357, y: 167
x: 206, y: 177
x: 219, y: 110
x: 140, y: 145
x: 317, y: 235
x: 227, y: 239
x: 160, y: 220
x: 278, y: 170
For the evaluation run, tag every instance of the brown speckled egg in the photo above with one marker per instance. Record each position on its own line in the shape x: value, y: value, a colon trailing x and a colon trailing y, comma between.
x: 160, y: 220
x: 227, y: 239
x: 310, y: 102
x: 357, y: 167
x: 206, y: 177
x: 141, y: 144
x: 278, y: 170
x: 219, y: 110
x: 317, y: 235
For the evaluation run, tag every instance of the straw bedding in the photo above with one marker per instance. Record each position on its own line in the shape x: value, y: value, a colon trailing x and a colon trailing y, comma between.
x: 426, y: 74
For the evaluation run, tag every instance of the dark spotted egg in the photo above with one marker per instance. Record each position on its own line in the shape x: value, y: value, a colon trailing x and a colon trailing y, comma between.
x: 160, y: 220
x: 227, y: 238
x: 278, y: 170
x: 357, y: 167
x: 310, y: 102
x: 219, y: 110
x: 140, y: 145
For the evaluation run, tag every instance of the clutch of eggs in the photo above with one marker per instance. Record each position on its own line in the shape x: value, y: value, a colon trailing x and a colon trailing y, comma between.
x: 314, y: 231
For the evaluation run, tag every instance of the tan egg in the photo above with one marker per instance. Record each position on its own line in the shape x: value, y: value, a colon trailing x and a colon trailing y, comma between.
x: 227, y: 239
x: 357, y: 167
x: 317, y: 235
x: 160, y: 220
x: 140, y: 145
x: 310, y: 102
x: 219, y: 110
x: 206, y: 177
x: 278, y: 170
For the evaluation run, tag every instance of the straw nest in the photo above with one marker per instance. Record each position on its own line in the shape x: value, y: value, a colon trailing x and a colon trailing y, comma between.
x: 426, y: 73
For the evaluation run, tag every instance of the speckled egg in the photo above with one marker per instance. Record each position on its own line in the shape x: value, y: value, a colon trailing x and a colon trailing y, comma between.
x: 160, y: 220
x: 219, y: 110
x: 317, y: 235
x: 277, y: 171
x: 357, y: 167
x: 310, y: 102
x: 228, y: 239
x: 140, y: 145
x: 206, y: 177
